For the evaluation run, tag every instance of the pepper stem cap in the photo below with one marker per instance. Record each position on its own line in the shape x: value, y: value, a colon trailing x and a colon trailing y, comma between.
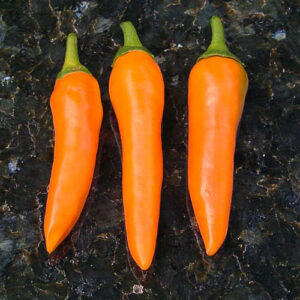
x: 72, y: 63
x: 131, y: 41
x: 218, y: 46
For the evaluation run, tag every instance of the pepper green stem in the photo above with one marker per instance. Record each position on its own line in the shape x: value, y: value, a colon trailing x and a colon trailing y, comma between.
x: 72, y: 63
x: 218, y: 46
x: 131, y: 41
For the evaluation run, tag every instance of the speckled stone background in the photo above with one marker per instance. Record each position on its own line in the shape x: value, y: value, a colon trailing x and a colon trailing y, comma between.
x: 261, y: 256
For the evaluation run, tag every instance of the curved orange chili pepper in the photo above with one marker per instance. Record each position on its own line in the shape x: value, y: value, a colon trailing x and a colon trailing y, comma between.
x: 136, y: 90
x: 218, y: 85
x: 77, y: 117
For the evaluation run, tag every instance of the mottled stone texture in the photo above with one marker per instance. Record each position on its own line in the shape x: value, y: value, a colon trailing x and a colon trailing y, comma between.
x: 260, y: 258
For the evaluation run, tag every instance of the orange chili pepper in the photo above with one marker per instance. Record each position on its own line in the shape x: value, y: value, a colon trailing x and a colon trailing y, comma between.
x: 218, y: 85
x: 77, y: 116
x: 136, y: 90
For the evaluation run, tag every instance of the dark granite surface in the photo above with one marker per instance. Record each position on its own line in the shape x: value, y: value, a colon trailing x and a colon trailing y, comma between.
x: 261, y: 256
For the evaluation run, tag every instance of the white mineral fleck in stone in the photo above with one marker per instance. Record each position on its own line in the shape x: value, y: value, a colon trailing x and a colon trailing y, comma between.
x: 138, y: 289
x: 12, y: 166
x: 279, y: 35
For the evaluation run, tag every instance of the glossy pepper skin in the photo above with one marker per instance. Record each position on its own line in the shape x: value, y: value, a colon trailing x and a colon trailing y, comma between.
x: 136, y: 91
x: 217, y: 88
x: 77, y: 116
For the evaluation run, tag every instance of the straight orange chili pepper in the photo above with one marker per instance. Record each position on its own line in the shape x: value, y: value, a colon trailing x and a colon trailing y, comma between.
x: 77, y: 116
x: 136, y: 90
x: 218, y: 85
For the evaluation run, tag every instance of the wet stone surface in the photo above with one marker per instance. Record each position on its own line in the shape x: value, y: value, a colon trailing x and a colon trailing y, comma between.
x: 260, y: 258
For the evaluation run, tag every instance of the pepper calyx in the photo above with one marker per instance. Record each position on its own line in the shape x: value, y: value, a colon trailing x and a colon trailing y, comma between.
x: 218, y: 45
x: 72, y: 63
x: 131, y: 41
